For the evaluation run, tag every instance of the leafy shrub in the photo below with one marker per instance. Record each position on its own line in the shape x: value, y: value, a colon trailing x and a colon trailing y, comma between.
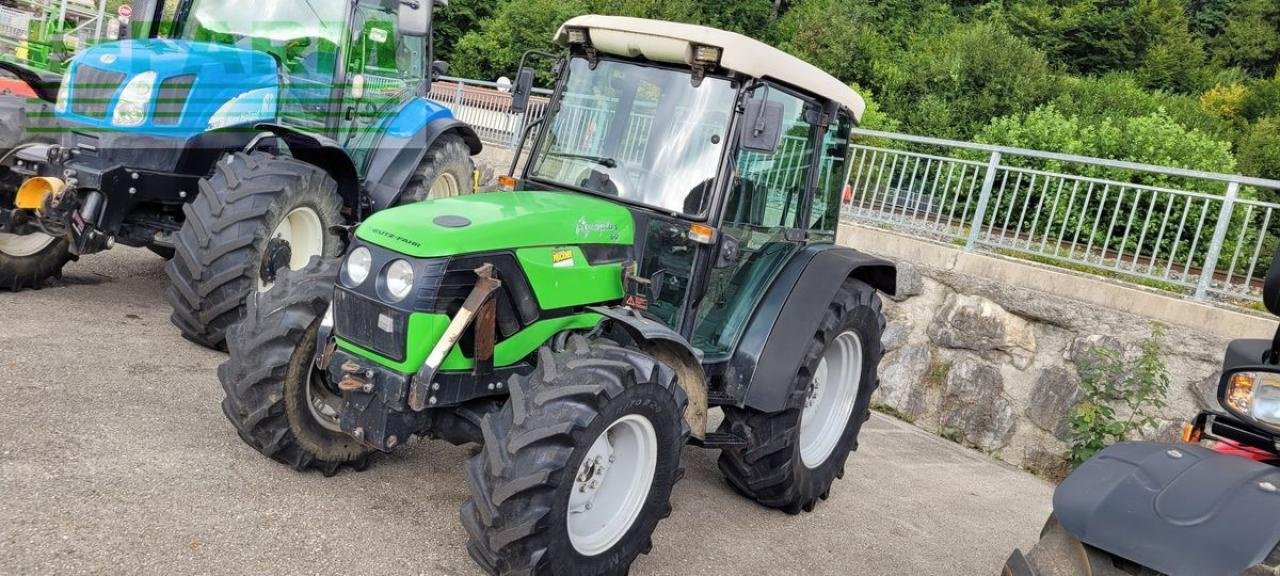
x: 1121, y: 398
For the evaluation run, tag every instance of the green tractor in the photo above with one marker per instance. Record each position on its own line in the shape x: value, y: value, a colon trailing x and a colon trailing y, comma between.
x: 671, y: 250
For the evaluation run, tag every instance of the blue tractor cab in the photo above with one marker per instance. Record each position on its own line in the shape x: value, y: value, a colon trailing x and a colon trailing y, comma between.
x: 242, y: 143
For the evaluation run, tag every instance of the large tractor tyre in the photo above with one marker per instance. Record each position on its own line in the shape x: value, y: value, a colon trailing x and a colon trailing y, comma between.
x: 27, y: 261
x: 577, y: 469
x: 276, y: 398
x: 257, y: 215
x: 792, y: 457
x: 446, y: 171
x: 1058, y: 553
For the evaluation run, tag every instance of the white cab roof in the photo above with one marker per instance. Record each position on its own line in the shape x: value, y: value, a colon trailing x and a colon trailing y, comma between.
x: 671, y: 42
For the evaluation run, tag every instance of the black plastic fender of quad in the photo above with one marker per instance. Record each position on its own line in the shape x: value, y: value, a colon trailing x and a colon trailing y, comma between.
x: 395, y: 159
x: 761, y: 370
x: 44, y: 84
x: 1176, y: 508
x: 327, y: 154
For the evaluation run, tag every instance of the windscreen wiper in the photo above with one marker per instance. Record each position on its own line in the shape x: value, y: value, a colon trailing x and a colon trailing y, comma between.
x: 601, y: 160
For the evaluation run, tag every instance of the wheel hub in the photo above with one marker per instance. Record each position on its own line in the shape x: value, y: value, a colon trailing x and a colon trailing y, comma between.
x: 324, y: 404
x: 299, y: 237
x: 274, y: 258
x: 612, y: 484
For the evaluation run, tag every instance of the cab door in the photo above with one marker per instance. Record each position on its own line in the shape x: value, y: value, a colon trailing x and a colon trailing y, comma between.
x: 384, y: 70
x: 764, y: 222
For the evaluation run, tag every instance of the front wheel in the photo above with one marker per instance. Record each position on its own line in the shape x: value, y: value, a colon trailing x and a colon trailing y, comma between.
x: 257, y: 215
x: 276, y: 398
x: 27, y: 261
x: 577, y: 469
x: 792, y: 457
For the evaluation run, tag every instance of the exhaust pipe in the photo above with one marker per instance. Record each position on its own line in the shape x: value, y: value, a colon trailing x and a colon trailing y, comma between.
x: 35, y: 193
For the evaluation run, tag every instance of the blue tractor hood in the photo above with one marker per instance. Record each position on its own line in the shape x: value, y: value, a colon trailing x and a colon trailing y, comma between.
x: 193, y: 81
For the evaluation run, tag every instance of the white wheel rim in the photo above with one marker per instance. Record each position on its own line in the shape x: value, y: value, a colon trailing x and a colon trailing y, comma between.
x: 612, y: 484
x: 445, y: 186
x: 26, y: 245
x: 305, y: 233
x: 324, y: 406
x: 830, y: 401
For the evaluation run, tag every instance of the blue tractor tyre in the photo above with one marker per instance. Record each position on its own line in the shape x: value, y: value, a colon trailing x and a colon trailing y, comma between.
x: 446, y: 170
x: 257, y: 215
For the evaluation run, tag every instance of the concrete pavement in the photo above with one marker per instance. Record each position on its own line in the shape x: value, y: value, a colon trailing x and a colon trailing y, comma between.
x: 115, y: 459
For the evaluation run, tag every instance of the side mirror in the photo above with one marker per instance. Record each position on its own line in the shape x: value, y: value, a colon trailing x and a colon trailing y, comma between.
x: 762, y: 126
x: 1271, y: 287
x: 439, y: 68
x: 415, y: 17
x: 521, y: 91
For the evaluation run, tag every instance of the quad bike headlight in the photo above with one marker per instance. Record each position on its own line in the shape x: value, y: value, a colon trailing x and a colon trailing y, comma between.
x: 356, y: 269
x: 131, y: 109
x: 399, y: 280
x: 1254, y: 395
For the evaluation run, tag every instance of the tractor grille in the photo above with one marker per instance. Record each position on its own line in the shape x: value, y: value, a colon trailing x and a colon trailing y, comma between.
x: 370, y: 324
x: 173, y: 99
x: 93, y: 90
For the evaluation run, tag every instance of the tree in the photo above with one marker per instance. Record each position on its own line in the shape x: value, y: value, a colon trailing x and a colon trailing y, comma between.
x: 1251, y: 37
x: 1259, y: 150
x: 839, y: 36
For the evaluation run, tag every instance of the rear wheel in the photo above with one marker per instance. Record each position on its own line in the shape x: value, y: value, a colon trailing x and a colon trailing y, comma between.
x: 577, y: 469
x: 792, y: 457
x: 27, y: 261
x: 276, y: 398
x: 257, y: 215
x: 446, y: 171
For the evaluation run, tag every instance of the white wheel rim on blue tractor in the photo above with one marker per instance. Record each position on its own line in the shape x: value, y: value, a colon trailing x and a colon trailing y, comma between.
x: 445, y: 186
x: 305, y: 233
x: 26, y: 245
x: 830, y: 401
x: 612, y: 484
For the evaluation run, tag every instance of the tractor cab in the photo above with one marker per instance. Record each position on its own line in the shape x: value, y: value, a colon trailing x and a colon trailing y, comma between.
x: 731, y: 155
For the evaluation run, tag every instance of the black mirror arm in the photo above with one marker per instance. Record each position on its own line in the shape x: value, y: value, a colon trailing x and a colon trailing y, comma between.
x: 524, y: 136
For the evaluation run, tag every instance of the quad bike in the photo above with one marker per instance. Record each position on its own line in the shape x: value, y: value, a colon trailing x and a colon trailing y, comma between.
x: 1207, y: 507
x: 234, y: 148
x: 671, y: 250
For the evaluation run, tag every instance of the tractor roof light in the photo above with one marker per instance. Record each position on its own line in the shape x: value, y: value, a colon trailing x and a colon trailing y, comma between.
x: 578, y: 36
x: 707, y: 54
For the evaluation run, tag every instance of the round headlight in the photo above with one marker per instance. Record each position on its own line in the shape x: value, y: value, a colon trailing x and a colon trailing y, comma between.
x: 356, y: 269
x: 399, y: 280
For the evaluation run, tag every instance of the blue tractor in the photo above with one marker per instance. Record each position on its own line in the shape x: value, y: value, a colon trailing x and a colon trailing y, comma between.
x: 242, y: 144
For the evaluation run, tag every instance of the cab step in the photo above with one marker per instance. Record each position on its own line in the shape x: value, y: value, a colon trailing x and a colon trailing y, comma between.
x: 719, y: 441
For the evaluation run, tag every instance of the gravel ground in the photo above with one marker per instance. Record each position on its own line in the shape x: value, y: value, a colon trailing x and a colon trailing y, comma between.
x: 115, y: 459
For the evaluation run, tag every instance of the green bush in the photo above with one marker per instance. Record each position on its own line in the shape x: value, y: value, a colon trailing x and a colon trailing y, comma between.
x: 1121, y: 398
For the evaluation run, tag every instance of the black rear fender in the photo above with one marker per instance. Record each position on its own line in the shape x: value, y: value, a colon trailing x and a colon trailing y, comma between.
x: 44, y: 84
x: 326, y: 154
x: 769, y: 354
x: 395, y: 160
x: 1175, y: 508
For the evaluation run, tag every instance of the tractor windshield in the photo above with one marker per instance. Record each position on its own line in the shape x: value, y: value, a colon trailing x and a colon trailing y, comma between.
x: 304, y: 35
x: 641, y: 133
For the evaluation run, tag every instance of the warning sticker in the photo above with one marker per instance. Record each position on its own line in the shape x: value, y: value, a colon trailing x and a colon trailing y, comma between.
x: 562, y: 258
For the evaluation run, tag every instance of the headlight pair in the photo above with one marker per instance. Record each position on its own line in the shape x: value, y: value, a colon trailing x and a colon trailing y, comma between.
x: 1254, y: 395
x: 397, y: 277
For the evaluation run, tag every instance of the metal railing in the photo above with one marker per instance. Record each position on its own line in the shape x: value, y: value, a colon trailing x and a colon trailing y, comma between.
x: 1202, y: 234
x: 1199, y: 233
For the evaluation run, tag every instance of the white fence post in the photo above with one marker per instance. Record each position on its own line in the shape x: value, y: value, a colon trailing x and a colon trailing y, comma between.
x: 1219, y: 237
x: 980, y: 213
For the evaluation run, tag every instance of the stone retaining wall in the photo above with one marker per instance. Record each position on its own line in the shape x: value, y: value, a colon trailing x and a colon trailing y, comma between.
x: 975, y: 356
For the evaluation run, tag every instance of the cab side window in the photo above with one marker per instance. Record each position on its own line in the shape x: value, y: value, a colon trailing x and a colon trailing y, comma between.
x: 770, y: 187
x: 833, y: 174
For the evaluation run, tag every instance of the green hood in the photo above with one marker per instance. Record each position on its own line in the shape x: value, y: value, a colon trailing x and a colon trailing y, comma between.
x: 496, y: 221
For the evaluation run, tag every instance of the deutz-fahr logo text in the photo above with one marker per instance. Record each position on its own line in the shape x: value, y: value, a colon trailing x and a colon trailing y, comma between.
x: 586, y: 229
x: 396, y: 237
